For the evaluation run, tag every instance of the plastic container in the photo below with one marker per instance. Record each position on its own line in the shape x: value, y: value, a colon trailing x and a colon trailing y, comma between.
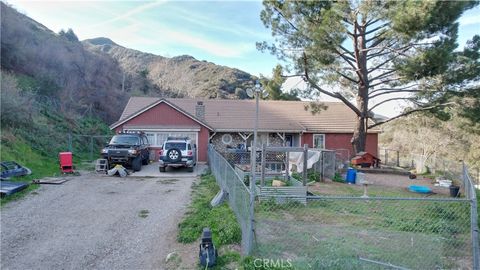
x: 420, y: 189
x: 454, y: 191
x: 351, y: 175
x: 360, y: 178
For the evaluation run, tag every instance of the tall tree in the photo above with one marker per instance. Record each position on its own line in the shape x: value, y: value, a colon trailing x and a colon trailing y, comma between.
x: 274, y: 86
x: 367, y: 50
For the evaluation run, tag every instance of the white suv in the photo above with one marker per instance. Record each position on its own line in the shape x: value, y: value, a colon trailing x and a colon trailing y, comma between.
x: 178, y: 152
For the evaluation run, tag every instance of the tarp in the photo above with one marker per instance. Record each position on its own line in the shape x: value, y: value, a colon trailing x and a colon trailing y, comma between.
x: 118, y: 169
x: 296, y: 158
x: 7, y: 187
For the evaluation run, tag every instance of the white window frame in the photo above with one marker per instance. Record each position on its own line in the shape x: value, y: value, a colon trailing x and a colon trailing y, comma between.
x: 323, y: 140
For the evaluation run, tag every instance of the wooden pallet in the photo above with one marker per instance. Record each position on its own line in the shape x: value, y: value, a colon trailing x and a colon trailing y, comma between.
x: 50, y: 181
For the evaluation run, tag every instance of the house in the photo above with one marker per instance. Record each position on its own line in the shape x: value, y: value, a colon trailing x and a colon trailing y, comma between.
x: 229, y: 123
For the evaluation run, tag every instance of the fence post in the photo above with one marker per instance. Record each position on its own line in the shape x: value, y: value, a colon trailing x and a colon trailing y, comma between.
x: 70, y: 142
x: 91, y: 148
x: 322, y: 173
x: 264, y: 152
x: 473, y: 216
x: 398, y: 158
x: 305, y: 163
x: 386, y: 156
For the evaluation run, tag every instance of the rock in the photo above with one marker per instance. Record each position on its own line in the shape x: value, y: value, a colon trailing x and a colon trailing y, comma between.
x: 277, y: 183
x: 171, y: 256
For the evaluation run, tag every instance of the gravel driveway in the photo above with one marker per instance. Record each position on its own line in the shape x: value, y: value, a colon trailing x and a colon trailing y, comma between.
x: 94, y: 222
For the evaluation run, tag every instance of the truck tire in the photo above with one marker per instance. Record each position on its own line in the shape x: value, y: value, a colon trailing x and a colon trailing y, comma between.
x: 137, y: 164
x: 145, y: 161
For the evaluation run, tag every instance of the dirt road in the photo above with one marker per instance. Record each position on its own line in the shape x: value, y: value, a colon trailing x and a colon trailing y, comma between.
x: 94, y: 222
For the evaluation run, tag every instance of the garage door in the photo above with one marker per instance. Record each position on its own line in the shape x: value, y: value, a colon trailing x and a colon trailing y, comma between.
x: 156, y: 139
x: 162, y: 136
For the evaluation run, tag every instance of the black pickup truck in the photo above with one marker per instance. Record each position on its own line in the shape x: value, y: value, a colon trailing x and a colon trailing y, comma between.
x: 128, y: 149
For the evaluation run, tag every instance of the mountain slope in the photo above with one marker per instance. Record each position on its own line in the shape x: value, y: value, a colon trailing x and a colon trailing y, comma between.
x: 181, y: 75
x: 78, y: 81
x: 97, y: 76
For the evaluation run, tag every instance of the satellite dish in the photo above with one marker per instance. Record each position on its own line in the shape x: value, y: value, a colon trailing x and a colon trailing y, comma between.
x: 250, y: 92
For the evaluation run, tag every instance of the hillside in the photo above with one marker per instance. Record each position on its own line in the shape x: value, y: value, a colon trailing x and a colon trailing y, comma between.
x: 181, y: 75
x: 97, y: 76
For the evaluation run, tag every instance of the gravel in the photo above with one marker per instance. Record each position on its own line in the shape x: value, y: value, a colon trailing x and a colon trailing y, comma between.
x: 94, y: 222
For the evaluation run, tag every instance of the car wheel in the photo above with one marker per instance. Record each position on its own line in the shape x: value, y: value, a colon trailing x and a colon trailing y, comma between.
x: 162, y: 169
x: 174, y: 155
x: 137, y: 164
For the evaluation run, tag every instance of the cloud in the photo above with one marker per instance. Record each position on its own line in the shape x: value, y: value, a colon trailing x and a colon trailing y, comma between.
x: 469, y: 20
x: 136, y: 10
x: 206, y: 22
x: 216, y: 48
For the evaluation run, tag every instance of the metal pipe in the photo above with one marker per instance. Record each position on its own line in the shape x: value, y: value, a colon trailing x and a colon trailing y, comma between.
x: 473, y: 216
x: 252, y: 178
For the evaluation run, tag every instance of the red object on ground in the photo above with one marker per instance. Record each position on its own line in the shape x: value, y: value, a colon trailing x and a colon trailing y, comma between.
x: 66, y: 162
x: 365, y: 159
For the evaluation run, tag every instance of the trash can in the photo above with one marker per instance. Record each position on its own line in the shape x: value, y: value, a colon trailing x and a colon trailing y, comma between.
x: 351, y: 175
x: 454, y: 191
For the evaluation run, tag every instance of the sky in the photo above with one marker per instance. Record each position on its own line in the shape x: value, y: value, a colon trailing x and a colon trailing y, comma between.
x: 222, y: 32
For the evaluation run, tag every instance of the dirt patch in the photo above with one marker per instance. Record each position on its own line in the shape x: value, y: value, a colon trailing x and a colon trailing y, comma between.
x: 167, y: 181
x: 389, y: 185
x: 97, y: 222
x: 402, y: 182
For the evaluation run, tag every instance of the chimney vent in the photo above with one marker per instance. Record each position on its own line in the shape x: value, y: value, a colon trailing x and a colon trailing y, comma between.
x: 200, y: 110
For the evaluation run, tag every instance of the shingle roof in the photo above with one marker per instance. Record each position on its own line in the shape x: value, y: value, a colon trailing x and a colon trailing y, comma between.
x: 239, y: 115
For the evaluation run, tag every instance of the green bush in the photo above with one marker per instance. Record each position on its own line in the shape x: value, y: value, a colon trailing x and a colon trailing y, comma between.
x: 338, y: 178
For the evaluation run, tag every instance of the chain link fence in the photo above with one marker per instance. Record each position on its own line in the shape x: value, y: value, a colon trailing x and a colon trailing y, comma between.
x: 356, y: 233
x: 238, y: 194
x: 340, y: 232
x: 427, y: 164
x: 39, y: 150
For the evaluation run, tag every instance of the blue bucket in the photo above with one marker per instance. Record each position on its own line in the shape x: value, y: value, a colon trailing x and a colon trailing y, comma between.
x: 351, y: 175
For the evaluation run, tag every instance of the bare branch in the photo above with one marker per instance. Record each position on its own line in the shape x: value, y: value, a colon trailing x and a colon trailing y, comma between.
x: 377, y: 28
x: 409, y: 112
x: 388, y: 100
x: 336, y: 95
x: 347, y: 77
x: 383, y: 75
x: 292, y: 76
x: 384, y: 82
x: 371, y: 21
x: 393, y: 90
x: 287, y: 20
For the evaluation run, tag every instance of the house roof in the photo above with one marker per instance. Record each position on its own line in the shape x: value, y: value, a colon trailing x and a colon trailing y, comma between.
x: 239, y: 115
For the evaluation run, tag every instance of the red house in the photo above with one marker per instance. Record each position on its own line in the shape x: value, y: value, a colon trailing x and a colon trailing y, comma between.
x: 229, y: 123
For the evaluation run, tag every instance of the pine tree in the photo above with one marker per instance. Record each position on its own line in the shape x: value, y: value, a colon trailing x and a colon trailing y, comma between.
x: 365, y: 50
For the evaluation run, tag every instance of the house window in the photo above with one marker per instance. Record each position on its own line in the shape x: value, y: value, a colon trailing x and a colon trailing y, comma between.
x: 319, y: 141
x: 227, y: 139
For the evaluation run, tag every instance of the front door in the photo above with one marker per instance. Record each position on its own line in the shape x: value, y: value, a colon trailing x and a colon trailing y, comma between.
x: 289, y: 140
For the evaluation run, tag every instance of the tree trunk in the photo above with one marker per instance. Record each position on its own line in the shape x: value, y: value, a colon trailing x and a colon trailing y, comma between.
x: 359, y: 138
